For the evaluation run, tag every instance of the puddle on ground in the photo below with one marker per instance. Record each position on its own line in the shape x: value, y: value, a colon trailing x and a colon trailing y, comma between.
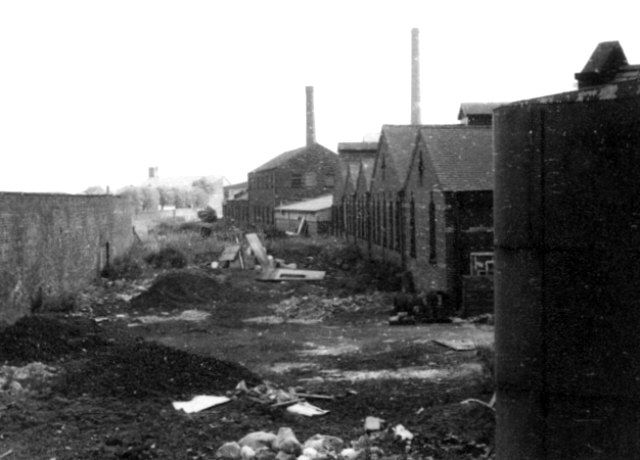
x: 187, y: 315
x: 418, y: 372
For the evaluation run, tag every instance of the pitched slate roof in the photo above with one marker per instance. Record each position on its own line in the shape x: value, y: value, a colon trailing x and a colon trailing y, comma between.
x: 401, y: 140
x: 286, y: 156
x: 316, y: 204
x: 461, y: 155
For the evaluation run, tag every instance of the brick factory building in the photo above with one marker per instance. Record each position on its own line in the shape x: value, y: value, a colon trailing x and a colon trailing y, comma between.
x: 296, y: 175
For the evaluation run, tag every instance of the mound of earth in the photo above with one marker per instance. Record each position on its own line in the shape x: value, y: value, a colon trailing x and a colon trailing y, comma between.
x: 48, y: 338
x: 180, y: 287
x: 141, y: 370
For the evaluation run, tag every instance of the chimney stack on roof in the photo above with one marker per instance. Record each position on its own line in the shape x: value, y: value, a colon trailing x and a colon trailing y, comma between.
x: 311, y: 123
x: 415, y: 77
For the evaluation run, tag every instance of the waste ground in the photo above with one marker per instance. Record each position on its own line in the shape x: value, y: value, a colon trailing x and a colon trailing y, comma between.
x: 111, y: 370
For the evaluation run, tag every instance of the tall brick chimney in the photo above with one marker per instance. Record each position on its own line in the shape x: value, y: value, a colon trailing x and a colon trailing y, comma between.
x: 153, y: 172
x: 311, y: 122
x: 415, y: 77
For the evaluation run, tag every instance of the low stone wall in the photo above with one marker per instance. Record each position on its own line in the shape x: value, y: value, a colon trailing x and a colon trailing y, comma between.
x: 53, y: 245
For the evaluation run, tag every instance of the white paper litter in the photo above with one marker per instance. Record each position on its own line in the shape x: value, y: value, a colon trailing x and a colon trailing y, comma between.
x: 402, y: 433
x: 304, y: 408
x: 200, y: 402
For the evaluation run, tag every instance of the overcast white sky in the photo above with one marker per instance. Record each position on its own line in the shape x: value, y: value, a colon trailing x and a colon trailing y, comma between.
x: 96, y: 92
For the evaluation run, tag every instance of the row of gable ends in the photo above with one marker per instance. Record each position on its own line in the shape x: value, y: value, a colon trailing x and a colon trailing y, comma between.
x: 461, y: 156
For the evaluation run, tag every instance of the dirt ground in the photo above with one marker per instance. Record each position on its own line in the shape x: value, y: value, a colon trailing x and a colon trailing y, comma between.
x: 113, y: 368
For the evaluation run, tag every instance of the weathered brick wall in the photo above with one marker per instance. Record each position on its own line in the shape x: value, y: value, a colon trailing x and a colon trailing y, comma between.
x: 52, y: 245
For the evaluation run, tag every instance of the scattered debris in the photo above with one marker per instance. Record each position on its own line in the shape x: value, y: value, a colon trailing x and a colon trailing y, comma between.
x: 401, y: 432
x: 490, y: 405
x: 457, y: 344
x: 200, y: 403
x: 306, y: 409
x: 372, y: 424
x: 268, y: 393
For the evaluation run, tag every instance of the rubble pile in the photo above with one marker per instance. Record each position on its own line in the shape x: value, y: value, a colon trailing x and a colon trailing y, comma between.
x: 144, y: 370
x: 263, y: 445
x: 34, y: 377
x: 317, y: 308
x: 179, y: 288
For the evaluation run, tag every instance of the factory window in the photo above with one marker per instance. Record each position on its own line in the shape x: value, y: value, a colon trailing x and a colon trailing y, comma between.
x: 296, y: 180
x: 310, y: 179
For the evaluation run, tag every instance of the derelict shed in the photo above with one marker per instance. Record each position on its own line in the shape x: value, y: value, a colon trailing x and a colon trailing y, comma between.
x: 567, y: 212
x: 449, y: 226
x: 309, y: 217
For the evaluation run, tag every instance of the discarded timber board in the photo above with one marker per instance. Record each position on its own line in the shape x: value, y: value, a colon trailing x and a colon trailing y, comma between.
x: 282, y: 274
x: 457, y: 344
x: 258, y: 250
x: 229, y: 253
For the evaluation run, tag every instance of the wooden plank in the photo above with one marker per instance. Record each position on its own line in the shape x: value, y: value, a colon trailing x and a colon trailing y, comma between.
x: 229, y: 253
x: 282, y: 274
x: 258, y: 250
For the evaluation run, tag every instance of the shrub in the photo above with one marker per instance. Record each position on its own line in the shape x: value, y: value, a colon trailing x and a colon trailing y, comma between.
x: 128, y: 266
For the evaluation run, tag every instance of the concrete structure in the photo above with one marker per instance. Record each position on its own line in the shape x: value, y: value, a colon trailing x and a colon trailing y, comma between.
x: 315, y: 212
x: 567, y: 272
x: 415, y: 77
x: 51, y: 246
x: 292, y: 176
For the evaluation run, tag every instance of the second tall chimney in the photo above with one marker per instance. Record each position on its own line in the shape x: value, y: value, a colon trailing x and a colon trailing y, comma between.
x: 415, y: 77
x: 311, y: 123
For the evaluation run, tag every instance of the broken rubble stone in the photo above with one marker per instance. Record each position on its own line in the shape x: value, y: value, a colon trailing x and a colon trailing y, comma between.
x: 310, y: 453
x: 258, y: 439
x: 322, y: 443
x: 349, y: 454
x: 287, y: 442
x: 229, y: 451
x: 285, y: 456
x: 265, y: 454
x: 247, y: 453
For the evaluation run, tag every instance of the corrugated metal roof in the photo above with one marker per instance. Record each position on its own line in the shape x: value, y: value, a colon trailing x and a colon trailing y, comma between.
x: 312, y: 205
x: 462, y: 156
x: 286, y: 156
